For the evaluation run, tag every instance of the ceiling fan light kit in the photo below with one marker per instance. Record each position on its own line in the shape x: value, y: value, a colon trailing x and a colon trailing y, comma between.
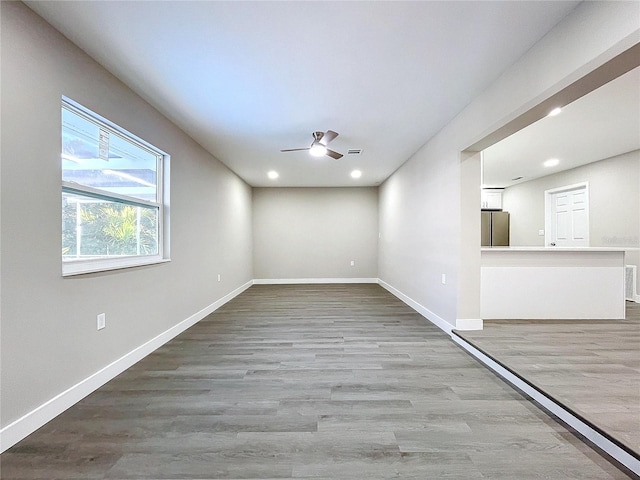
x: 318, y: 147
x: 318, y: 150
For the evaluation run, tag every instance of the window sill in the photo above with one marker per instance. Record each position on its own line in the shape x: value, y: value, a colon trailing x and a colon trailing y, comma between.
x: 80, y: 267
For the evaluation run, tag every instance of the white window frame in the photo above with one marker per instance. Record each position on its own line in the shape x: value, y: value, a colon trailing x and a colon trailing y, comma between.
x: 72, y: 267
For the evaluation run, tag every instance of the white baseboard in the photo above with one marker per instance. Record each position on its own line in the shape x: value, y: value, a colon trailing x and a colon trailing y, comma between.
x: 295, y: 281
x: 422, y: 310
x: 566, y: 416
x: 29, y: 423
x: 469, y: 324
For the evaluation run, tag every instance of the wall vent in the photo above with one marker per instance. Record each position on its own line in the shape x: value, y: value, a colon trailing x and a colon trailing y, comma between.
x: 630, y: 290
x: 354, y: 151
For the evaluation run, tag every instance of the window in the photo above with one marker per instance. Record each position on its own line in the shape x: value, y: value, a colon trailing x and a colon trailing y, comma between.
x: 113, y: 195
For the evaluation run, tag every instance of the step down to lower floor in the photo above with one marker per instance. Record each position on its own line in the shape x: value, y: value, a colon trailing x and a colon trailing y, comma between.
x: 595, y: 437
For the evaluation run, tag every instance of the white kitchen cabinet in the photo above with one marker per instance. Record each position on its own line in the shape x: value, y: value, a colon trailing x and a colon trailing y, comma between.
x: 491, y: 199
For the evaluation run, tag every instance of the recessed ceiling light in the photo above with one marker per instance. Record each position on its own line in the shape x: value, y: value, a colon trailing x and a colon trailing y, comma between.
x: 356, y: 174
x: 554, y: 112
x: 552, y: 162
x: 273, y: 175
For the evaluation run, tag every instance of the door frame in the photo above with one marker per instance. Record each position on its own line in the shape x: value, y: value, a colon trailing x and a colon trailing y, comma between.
x: 548, y: 209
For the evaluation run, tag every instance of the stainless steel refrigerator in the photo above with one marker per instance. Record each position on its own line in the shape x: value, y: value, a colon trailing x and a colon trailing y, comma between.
x: 495, y: 229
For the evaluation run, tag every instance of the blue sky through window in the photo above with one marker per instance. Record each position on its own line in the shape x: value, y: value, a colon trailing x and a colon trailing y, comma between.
x: 124, y: 167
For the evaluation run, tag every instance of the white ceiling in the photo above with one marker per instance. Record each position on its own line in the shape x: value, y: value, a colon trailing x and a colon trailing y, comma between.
x: 600, y: 125
x: 246, y: 79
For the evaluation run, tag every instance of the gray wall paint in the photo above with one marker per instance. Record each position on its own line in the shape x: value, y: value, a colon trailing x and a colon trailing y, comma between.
x: 614, y: 203
x: 49, y: 336
x: 49, y: 340
x: 424, y: 205
x: 315, y: 232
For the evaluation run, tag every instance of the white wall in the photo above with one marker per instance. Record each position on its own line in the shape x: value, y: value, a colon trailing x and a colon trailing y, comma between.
x: 49, y: 336
x: 424, y: 205
x: 302, y: 233
x: 614, y: 203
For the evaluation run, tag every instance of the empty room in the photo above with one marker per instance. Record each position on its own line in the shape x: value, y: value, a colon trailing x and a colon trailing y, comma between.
x: 320, y: 240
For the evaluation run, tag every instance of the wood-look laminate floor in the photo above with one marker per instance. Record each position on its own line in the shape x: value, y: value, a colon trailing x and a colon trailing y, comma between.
x: 591, y: 366
x: 307, y: 382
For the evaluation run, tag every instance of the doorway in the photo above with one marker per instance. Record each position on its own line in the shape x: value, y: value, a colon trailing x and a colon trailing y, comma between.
x: 567, y: 216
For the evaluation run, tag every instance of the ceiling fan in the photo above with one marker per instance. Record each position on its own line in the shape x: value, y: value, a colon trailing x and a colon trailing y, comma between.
x: 319, y: 146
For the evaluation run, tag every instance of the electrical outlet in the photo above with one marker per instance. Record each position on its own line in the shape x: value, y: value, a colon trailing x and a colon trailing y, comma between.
x: 541, y: 233
x: 444, y: 278
x: 353, y: 263
x: 218, y: 277
x: 102, y: 321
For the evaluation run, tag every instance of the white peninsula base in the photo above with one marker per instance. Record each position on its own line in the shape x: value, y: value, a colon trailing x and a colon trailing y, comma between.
x: 552, y: 283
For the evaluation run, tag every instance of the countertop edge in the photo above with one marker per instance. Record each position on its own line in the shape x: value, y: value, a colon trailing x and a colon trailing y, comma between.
x: 558, y: 249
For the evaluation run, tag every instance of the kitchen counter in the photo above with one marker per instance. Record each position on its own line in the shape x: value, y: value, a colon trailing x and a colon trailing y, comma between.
x: 552, y: 283
x: 558, y: 249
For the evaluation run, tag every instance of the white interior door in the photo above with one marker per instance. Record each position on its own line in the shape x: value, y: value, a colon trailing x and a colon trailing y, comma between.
x: 567, y: 216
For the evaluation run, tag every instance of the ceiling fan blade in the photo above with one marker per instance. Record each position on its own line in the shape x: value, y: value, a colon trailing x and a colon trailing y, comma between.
x: 295, y: 149
x: 332, y: 154
x: 327, y: 137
